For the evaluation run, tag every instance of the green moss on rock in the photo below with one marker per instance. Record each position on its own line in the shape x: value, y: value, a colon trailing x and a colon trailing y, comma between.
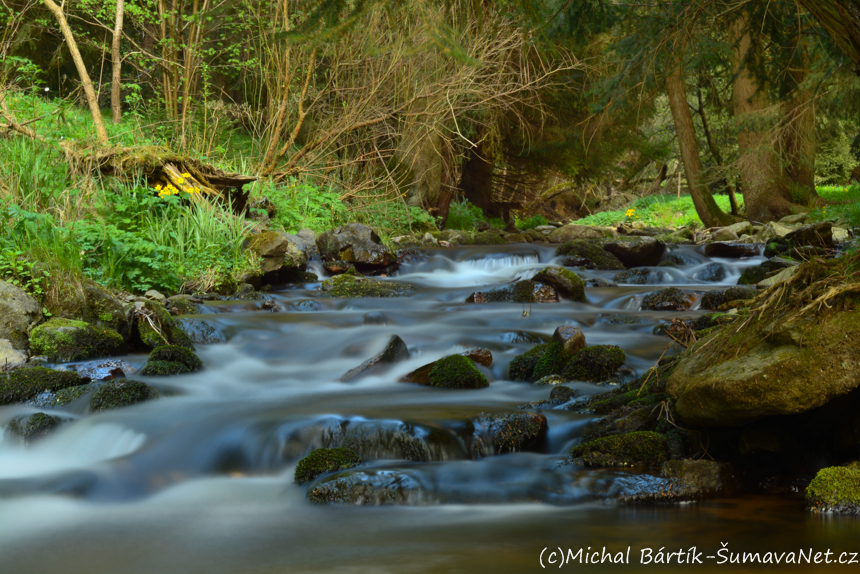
x: 589, y: 253
x: 642, y: 448
x: 523, y: 366
x: 567, y: 283
x: 156, y: 327
x: 595, y: 363
x: 353, y: 286
x: 25, y: 383
x: 177, y: 354
x: 325, y: 460
x: 120, y: 393
x: 553, y: 361
x: 163, y: 368
x: 835, y: 489
x: 457, y: 372
x: 35, y: 426
x: 63, y: 340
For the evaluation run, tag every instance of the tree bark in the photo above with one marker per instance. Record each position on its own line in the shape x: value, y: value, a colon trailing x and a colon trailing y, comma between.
x: 841, y: 18
x: 760, y: 173
x: 799, y: 134
x: 715, y: 152
x: 90, y: 93
x: 707, y: 209
x: 116, y: 61
x: 477, y: 179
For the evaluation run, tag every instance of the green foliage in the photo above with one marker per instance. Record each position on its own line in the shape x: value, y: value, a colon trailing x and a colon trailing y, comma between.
x: 834, y: 160
x: 531, y: 222
x: 300, y: 205
x: 463, y: 215
x: 657, y: 210
x: 846, y: 203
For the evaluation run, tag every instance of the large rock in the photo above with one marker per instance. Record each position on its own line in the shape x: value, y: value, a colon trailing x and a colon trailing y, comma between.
x: 25, y: 383
x: 65, y: 340
x: 503, y: 433
x: 351, y: 286
x: 589, y: 254
x: 323, y: 461
x: 731, y: 250
x: 279, y: 253
x: 19, y: 312
x: 816, y: 234
x: 572, y: 231
x: 637, y: 252
x: 567, y: 283
x: 357, y: 244
x: 155, y: 327
x: 395, y: 350
x: 525, y: 291
x: 10, y: 357
x: 421, y: 375
x: 670, y: 299
x: 781, y: 365
x: 88, y: 301
x: 757, y: 273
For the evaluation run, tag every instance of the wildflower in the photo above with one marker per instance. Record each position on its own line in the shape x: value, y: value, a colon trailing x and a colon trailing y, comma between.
x: 157, y: 187
x: 186, y: 175
x: 630, y: 213
x: 180, y: 180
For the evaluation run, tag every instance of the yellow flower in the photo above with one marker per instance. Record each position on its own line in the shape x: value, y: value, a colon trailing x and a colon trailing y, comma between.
x: 180, y: 180
x: 157, y: 187
x: 186, y: 175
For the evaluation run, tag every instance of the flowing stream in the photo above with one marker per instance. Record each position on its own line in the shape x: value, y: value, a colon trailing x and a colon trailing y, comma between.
x: 201, y: 479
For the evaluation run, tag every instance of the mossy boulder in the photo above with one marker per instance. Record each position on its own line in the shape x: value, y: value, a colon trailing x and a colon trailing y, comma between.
x: 566, y: 283
x: 487, y: 238
x: 120, y: 393
x: 279, y: 255
x: 64, y: 340
x: 565, y: 343
x: 574, y: 232
x: 18, y: 313
x: 349, y: 286
x: 643, y: 448
x: 835, y: 489
x: 323, y: 461
x: 371, y: 488
x: 589, y: 254
x: 671, y: 299
x: 63, y: 396
x: 163, y: 369
x: 525, y: 292
x: 457, y: 372
x: 25, y: 383
x: 522, y: 367
x: 508, y: 433
x: 595, y: 363
x: 714, y: 300
x: 34, y: 427
x: 155, y: 327
x: 421, y: 375
x: 86, y: 300
x: 183, y: 305
x: 177, y: 354
x: 640, y: 276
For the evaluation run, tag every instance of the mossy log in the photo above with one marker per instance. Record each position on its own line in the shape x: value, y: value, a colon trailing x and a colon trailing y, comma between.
x: 160, y: 166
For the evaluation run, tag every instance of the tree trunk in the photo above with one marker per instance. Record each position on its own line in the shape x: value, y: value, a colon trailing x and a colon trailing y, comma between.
x: 707, y: 209
x: 799, y: 135
x: 90, y: 93
x: 715, y: 153
x: 116, y: 61
x: 841, y: 18
x: 477, y: 179
x: 764, y: 198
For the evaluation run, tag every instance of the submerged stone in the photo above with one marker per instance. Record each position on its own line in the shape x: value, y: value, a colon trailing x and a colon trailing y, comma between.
x: 640, y: 276
x: 349, y: 286
x: 177, y: 354
x: 25, y: 383
x: 323, y: 461
x: 164, y: 368
x: 525, y: 292
x: 370, y: 488
x: 508, y: 433
x: 121, y: 393
x: 395, y: 350
x: 34, y: 427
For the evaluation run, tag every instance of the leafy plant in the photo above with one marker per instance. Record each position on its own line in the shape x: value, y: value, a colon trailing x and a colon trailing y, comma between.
x: 463, y: 215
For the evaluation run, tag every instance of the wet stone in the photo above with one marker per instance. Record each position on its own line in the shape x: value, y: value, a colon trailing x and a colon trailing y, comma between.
x: 731, y: 250
x: 711, y: 273
x: 671, y: 299
x: 395, y: 350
